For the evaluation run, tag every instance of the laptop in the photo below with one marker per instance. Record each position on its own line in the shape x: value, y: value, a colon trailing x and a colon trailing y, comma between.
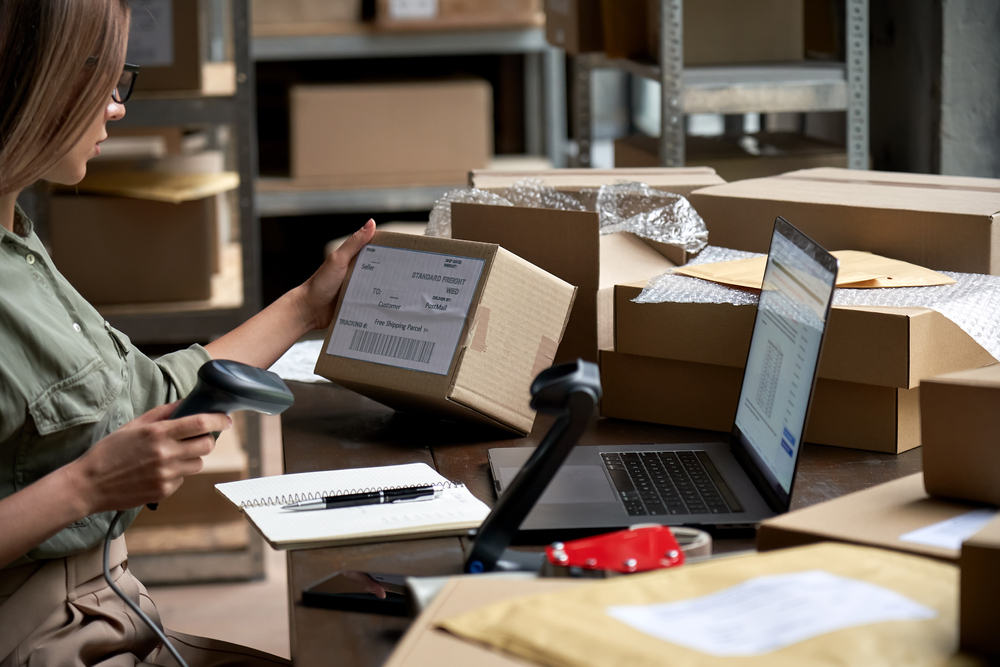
x: 734, y: 483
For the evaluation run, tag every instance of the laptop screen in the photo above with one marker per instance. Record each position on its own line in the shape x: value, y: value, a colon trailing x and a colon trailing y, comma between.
x: 781, y: 365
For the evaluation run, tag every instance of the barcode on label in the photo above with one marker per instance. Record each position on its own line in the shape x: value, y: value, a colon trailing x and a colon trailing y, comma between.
x: 397, y: 347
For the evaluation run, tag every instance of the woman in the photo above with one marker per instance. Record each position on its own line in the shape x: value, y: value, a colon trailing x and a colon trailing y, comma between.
x: 84, y: 416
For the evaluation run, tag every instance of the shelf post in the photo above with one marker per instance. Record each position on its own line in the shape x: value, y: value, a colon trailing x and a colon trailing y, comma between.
x: 671, y: 83
x: 857, y: 84
x: 245, y: 129
x: 583, y: 68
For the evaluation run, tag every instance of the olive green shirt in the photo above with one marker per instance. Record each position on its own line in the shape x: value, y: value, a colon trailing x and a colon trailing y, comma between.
x: 67, y: 379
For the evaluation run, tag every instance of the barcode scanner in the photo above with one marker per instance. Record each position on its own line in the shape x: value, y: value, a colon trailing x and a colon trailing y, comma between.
x: 223, y: 386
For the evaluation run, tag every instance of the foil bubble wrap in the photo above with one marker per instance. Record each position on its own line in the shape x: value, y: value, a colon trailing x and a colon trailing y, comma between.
x: 623, y: 207
x: 972, y: 302
x: 653, y: 214
x: 439, y: 223
x: 533, y: 193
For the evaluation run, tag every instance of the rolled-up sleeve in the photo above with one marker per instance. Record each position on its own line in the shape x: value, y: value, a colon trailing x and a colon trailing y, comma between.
x: 166, y: 379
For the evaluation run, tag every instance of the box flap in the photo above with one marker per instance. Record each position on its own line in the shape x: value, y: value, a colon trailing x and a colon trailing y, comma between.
x: 869, y: 189
x: 877, y: 516
x: 625, y: 258
x: 519, y: 323
x: 988, y: 376
x: 172, y: 188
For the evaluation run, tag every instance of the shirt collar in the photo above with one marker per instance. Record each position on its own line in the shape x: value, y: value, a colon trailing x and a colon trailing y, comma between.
x: 22, y: 225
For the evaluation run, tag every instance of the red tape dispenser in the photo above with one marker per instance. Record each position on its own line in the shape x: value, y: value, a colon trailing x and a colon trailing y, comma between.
x: 638, y: 549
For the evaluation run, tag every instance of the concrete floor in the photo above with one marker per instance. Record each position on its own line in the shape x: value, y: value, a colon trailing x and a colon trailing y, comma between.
x: 253, y: 614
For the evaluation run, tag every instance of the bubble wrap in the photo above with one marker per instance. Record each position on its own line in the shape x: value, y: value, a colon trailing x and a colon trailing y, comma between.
x: 972, y: 302
x: 652, y: 214
x: 623, y: 207
x: 439, y: 223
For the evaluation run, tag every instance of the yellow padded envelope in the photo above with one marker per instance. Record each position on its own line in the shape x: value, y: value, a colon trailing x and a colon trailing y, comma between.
x: 571, y: 628
x: 857, y: 270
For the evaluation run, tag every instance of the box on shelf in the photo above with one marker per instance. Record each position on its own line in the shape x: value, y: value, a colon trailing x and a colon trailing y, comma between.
x: 574, y: 25
x: 390, y: 134
x: 569, y: 245
x: 716, y: 32
x: 140, y: 237
x: 446, y: 326
x: 891, y: 347
x: 165, y: 41
x: 960, y: 419
x: 695, y: 395
x: 457, y: 14
x: 945, y: 223
x: 772, y: 153
x: 303, y: 17
x: 879, y: 516
x: 979, y: 589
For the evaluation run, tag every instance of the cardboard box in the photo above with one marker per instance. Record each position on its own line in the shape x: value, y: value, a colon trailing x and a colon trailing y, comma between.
x: 876, y: 517
x: 396, y: 342
x: 575, y: 26
x: 164, y: 40
x: 569, y: 245
x: 390, y: 134
x: 149, y: 237
x: 889, y: 347
x: 946, y: 223
x: 715, y: 32
x: 457, y: 14
x: 693, y: 395
x: 682, y: 181
x: 979, y: 590
x: 960, y: 419
x: 775, y: 153
x: 301, y: 17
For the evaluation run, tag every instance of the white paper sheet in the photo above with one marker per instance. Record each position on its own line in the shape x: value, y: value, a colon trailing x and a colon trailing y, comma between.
x: 950, y: 534
x: 299, y: 361
x: 768, y: 613
x: 405, y: 308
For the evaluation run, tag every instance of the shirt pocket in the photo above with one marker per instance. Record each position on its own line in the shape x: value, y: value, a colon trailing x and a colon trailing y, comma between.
x: 82, y: 398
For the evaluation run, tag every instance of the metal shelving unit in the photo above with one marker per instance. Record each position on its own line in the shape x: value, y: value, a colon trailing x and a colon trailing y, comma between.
x: 236, y: 111
x: 796, y: 87
x: 545, y: 104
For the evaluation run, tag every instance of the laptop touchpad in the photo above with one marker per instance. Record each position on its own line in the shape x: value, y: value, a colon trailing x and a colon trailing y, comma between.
x: 572, y: 484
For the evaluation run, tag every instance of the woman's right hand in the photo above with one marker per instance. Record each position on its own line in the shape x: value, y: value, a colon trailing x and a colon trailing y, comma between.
x: 145, y: 460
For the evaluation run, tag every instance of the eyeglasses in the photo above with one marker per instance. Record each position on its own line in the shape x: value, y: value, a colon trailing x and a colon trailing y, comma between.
x: 126, y: 83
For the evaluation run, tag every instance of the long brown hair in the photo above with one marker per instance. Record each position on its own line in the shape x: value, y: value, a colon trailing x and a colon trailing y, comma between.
x: 59, y: 60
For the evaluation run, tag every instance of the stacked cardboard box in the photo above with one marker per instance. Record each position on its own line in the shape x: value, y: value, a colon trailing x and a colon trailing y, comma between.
x: 303, y: 17
x: 457, y: 14
x: 569, y: 244
x: 682, y: 364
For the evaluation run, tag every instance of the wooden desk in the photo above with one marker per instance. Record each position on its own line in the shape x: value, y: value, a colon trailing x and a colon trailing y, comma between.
x: 330, y: 427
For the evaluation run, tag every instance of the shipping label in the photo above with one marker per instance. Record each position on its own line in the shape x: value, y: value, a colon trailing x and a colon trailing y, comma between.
x: 405, y: 308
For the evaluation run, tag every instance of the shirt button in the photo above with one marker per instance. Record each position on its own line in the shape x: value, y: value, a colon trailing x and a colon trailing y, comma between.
x: 29, y: 258
x: 76, y: 327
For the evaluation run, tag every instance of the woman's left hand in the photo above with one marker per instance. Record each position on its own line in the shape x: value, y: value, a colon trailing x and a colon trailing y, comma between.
x: 318, y: 295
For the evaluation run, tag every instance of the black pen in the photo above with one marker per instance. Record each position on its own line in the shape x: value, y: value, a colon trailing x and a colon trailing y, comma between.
x: 367, y: 498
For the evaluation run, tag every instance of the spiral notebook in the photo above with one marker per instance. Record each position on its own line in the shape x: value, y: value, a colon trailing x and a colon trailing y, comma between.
x: 454, y: 512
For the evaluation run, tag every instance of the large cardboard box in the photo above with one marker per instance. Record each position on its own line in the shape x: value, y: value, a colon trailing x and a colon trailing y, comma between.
x: 960, y: 419
x: 390, y: 134
x: 682, y: 181
x: 694, y: 395
x: 574, y: 25
x: 302, y: 17
x: 979, y: 590
x: 946, y: 223
x: 773, y: 153
x: 876, y: 517
x: 569, y: 245
x: 715, y: 32
x: 446, y: 326
x: 889, y: 347
x: 457, y: 14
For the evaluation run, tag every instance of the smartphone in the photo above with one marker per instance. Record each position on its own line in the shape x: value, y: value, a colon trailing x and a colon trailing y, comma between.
x: 349, y: 590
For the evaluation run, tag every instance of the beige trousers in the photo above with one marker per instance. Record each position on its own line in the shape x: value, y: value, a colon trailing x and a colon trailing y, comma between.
x: 62, y: 612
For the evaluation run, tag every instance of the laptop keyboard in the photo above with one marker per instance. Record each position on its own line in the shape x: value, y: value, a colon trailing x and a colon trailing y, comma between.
x: 666, y: 483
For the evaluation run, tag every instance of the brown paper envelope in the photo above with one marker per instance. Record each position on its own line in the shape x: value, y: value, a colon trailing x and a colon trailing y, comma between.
x: 571, y: 628
x: 857, y: 270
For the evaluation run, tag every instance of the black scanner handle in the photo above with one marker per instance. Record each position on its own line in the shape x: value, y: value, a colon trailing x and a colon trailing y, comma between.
x: 225, y: 386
